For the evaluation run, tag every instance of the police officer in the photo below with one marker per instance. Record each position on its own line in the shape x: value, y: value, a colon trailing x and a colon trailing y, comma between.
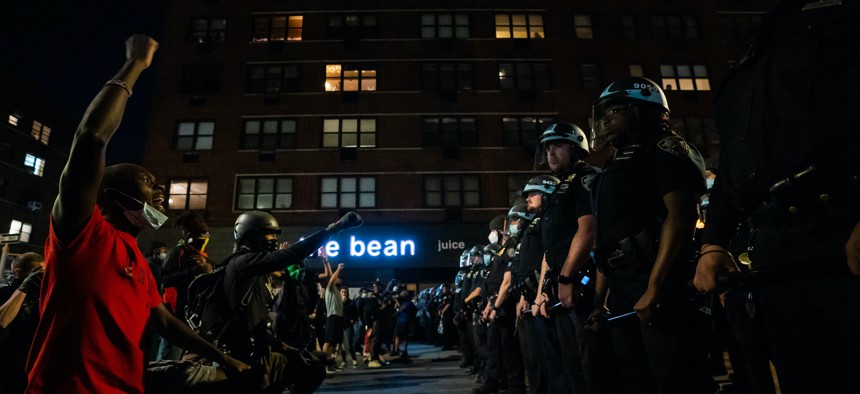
x: 474, y: 299
x: 462, y: 285
x: 567, y: 229
x: 525, y: 272
x: 646, y: 201
x: 789, y: 170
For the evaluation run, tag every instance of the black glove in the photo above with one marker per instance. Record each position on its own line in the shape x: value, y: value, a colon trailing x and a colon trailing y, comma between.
x: 349, y: 220
x: 33, y: 283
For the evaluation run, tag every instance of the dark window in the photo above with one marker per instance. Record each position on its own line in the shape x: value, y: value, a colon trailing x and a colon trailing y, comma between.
x: 269, y: 134
x: 628, y: 27
x: 590, y: 76
x: 352, y: 26
x: 444, y: 26
x: 200, y: 80
x: 452, y: 191
x: 208, y: 29
x: 446, y: 76
x: 272, y: 78
x: 675, y: 28
x: 524, y: 131
x: 524, y: 76
x: 449, y: 132
x: 269, y: 193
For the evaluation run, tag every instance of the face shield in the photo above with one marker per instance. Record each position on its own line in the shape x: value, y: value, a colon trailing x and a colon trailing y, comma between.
x: 601, y: 135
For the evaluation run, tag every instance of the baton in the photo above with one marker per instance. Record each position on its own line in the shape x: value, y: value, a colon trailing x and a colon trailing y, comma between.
x: 621, y: 316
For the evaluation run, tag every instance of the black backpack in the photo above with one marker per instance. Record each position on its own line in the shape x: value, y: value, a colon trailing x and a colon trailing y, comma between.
x: 208, y: 311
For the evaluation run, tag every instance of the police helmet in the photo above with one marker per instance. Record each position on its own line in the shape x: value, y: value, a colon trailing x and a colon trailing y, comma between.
x: 498, y: 223
x: 633, y: 90
x: 465, y: 261
x: 520, y: 211
x: 563, y: 132
x: 545, y: 184
x: 253, y: 222
x: 476, y: 250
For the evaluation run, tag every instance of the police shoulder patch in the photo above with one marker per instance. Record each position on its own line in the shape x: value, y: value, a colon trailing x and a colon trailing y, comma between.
x: 675, y: 145
x: 586, y: 181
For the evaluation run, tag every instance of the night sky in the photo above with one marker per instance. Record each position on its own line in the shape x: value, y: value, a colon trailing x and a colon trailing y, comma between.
x: 64, y: 52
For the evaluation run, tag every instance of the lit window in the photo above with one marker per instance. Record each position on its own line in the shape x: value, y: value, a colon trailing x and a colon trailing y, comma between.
x: 187, y: 194
x: 269, y: 193
x: 452, y: 191
x: 348, y: 192
x: 636, y: 70
x: 195, y: 135
x: 582, y: 25
x: 349, y: 133
x: 444, y: 26
x: 208, y: 29
x: 685, y: 77
x: 519, y: 26
x: 41, y: 132
x: 13, y: 119
x: 277, y: 28
x: 349, y: 78
x: 18, y: 227
x: 35, y: 164
x: 269, y: 134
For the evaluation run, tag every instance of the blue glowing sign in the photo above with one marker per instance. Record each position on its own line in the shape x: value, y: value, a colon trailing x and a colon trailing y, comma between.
x: 372, y: 248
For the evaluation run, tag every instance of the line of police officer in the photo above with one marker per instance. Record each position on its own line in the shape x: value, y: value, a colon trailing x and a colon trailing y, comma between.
x: 583, y: 288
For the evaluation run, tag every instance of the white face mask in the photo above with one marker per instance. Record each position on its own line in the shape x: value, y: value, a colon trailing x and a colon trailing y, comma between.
x: 515, y: 230
x: 162, y: 256
x: 494, y: 237
x: 144, y: 219
x: 487, y: 259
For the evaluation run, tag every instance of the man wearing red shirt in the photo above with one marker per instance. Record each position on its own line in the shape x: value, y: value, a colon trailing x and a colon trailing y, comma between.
x: 98, y: 294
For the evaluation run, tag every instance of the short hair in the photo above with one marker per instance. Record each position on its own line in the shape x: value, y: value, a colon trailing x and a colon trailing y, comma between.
x: 120, y: 177
x: 27, y: 261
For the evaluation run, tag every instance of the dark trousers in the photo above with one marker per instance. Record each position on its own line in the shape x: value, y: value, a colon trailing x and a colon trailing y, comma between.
x: 669, y: 356
x: 811, y: 321
x: 747, y: 343
x: 510, y: 349
x: 529, y: 347
x: 568, y: 331
x: 595, y: 353
x: 549, y: 356
x: 466, y: 348
x: 813, y: 328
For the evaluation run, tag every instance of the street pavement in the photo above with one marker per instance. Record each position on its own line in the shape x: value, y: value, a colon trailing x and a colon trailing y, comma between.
x: 430, y: 371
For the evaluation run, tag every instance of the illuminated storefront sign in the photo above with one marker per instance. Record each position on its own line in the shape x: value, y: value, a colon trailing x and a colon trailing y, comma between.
x: 372, y: 248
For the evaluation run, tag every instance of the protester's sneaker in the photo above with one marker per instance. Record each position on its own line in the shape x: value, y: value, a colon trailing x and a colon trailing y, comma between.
x: 374, y: 364
x: 354, y: 363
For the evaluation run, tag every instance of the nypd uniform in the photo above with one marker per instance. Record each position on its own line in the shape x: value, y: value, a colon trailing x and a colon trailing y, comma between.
x: 789, y: 106
x: 669, y: 355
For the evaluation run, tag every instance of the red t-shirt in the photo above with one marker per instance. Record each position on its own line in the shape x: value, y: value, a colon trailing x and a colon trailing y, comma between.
x: 97, y: 294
